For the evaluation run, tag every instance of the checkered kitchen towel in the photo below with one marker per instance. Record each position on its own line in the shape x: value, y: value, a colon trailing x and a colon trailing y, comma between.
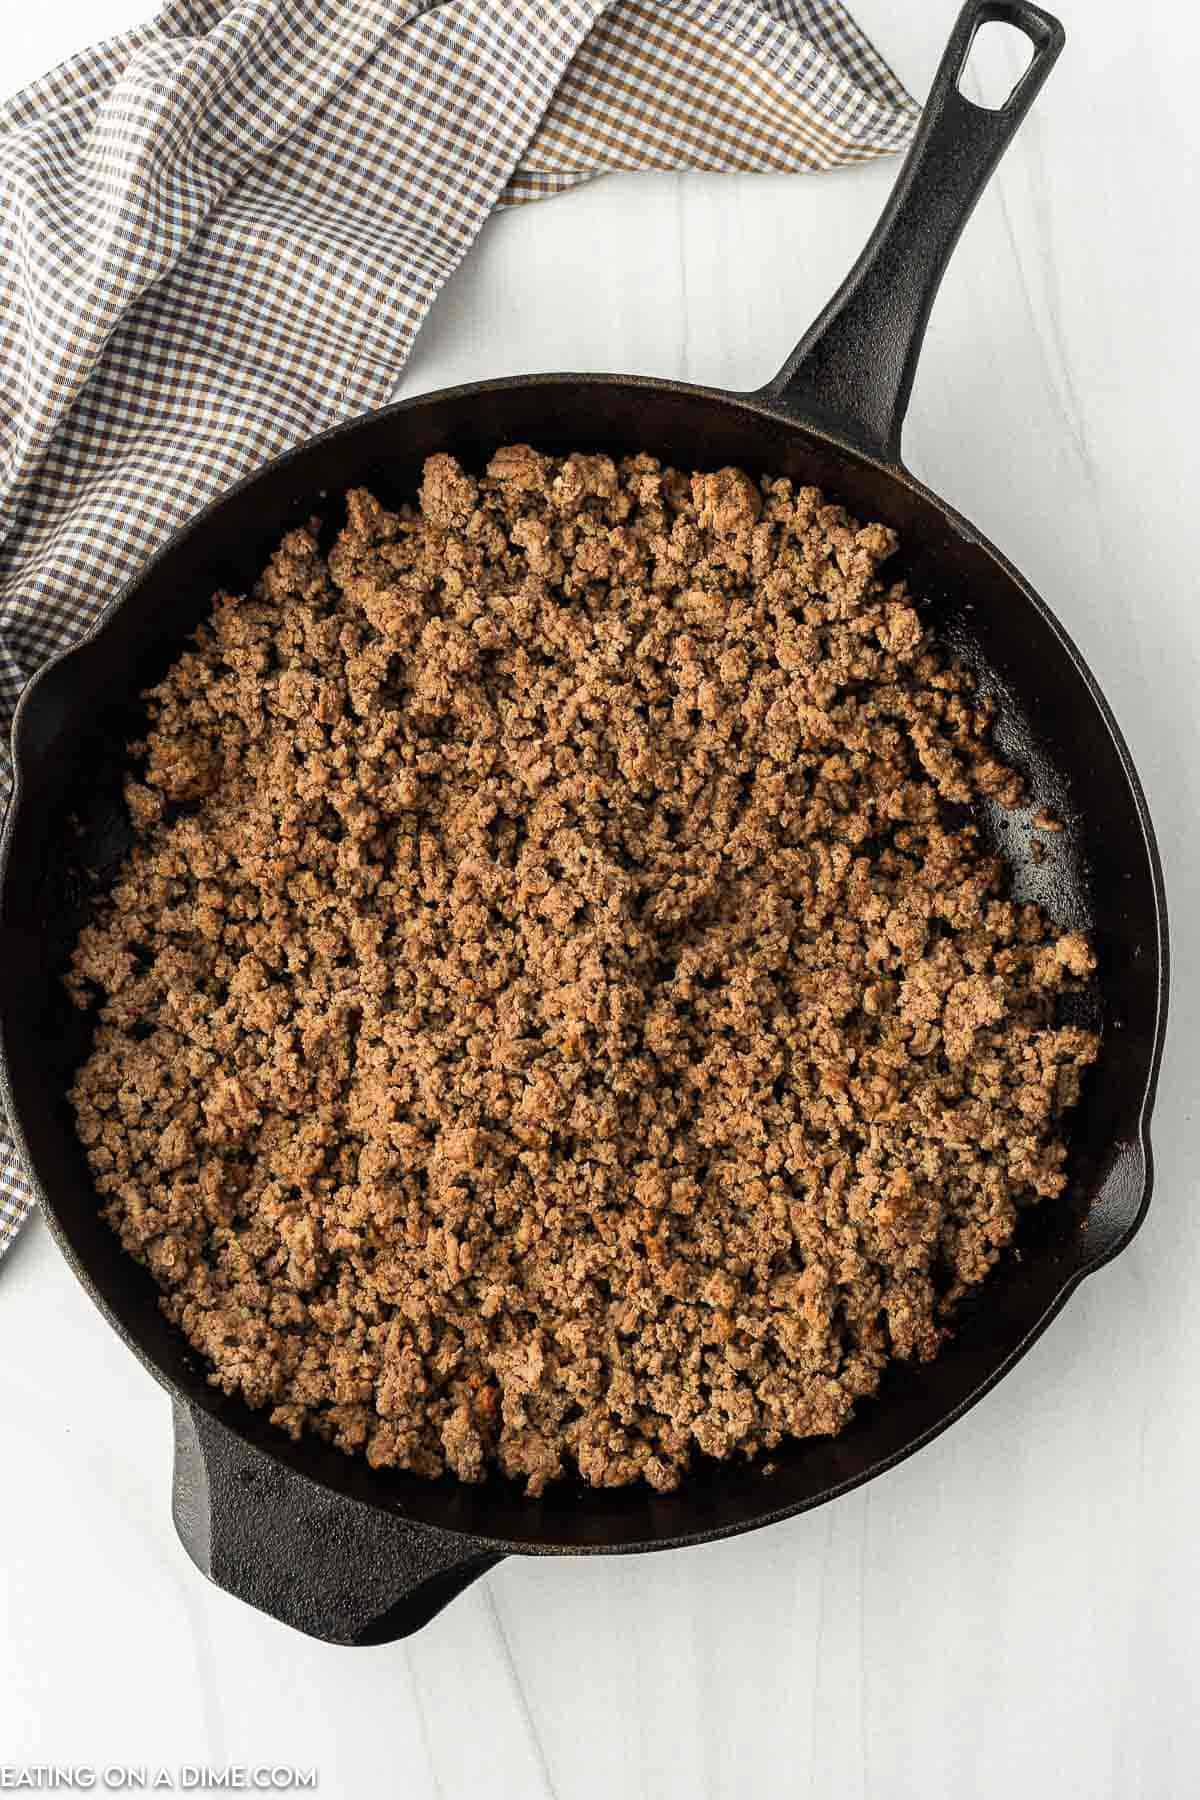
x: 220, y: 232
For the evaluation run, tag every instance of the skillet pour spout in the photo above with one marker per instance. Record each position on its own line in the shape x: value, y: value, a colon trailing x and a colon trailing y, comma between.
x: 317, y: 1539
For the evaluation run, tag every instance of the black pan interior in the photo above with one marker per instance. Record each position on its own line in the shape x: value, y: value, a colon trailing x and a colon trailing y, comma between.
x: 68, y: 831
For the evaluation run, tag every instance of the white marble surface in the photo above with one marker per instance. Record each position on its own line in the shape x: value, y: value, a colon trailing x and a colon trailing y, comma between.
x: 1018, y: 1608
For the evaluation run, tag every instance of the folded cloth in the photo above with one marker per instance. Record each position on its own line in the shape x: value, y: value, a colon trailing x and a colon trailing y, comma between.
x: 219, y: 233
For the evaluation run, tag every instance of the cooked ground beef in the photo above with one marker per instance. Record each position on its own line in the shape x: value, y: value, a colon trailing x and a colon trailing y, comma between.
x: 558, y: 1012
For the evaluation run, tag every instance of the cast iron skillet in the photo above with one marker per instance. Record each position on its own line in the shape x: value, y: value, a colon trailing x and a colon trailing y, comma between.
x: 318, y: 1539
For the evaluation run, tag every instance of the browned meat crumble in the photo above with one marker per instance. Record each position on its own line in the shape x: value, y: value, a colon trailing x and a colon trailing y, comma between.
x: 551, y: 1016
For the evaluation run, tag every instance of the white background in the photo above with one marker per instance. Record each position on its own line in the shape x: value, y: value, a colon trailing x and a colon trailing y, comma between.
x: 1017, y: 1609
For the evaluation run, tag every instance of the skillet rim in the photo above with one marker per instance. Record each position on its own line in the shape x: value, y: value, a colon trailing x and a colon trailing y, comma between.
x: 767, y: 404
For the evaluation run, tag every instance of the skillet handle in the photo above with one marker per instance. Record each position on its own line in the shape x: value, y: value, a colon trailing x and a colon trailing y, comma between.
x: 334, y: 1568
x: 853, y: 371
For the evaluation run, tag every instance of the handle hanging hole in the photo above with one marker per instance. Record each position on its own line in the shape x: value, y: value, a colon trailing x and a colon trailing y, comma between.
x: 992, y: 69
